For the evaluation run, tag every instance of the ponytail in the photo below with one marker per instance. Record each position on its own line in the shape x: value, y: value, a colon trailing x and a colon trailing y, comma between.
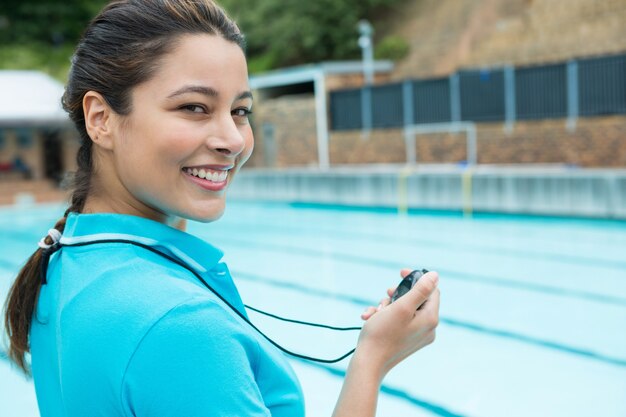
x: 21, y: 303
x: 23, y: 295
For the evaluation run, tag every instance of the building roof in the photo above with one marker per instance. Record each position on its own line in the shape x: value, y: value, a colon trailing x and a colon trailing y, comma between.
x: 308, y: 73
x: 30, y: 98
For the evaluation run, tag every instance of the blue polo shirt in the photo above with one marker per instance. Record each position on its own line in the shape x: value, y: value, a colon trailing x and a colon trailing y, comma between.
x: 122, y: 331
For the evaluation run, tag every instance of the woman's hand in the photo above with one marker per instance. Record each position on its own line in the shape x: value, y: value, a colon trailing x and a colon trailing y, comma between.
x: 395, y: 331
x: 392, y: 332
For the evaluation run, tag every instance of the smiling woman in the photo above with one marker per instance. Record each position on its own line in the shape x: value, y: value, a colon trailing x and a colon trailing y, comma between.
x: 118, y: 294
x: 190, y: 116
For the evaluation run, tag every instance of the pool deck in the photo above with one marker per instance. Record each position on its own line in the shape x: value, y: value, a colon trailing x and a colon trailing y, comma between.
x: 552, y: 190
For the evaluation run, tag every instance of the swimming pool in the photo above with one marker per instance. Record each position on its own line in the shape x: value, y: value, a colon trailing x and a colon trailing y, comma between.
x: 533, y: 313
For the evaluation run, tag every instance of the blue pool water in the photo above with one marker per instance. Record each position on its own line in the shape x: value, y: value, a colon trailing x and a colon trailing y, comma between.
x: 533, y: 311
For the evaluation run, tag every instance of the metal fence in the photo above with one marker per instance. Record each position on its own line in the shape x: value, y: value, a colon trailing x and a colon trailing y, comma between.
x: 584, y: 87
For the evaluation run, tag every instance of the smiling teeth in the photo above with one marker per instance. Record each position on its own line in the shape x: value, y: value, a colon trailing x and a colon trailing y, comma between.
x: 213, y: 176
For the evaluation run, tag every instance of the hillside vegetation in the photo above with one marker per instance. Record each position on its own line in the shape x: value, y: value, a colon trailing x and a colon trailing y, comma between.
x: 425, y: 37
x: 445, y: 35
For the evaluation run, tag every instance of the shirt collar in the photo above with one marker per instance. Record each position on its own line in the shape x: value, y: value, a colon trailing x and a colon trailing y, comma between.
x: 196, y: 253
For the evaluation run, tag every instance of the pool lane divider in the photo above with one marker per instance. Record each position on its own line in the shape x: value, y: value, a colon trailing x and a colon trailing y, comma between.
x: 619, y: 264
x: 391, y: 391
x: 420, y: 241
x: 505, y: 334
x: 449, y: 274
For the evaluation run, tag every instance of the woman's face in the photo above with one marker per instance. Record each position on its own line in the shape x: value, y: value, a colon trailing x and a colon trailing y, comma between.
x: 187, y: 134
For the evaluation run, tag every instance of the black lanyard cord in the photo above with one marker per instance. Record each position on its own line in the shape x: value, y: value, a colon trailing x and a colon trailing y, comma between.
x: 304, y: 323
x: 48, y: 252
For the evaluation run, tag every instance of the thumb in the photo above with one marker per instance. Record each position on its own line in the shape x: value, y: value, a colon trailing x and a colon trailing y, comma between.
x: 420, y: 292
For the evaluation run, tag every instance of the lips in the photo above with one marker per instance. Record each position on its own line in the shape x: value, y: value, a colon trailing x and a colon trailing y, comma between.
x: 208, y: 174
x: 209, y: 177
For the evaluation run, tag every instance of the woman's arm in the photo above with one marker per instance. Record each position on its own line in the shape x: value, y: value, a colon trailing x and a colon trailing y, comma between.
x: 389, y: 336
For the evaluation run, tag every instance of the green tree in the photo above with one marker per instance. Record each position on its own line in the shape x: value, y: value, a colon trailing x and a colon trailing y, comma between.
x: 45, y: 21
x: 288, y: 32
x: 42, y: 33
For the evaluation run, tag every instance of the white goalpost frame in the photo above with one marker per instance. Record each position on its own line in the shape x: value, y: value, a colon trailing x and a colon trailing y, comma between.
x: 411, y: 131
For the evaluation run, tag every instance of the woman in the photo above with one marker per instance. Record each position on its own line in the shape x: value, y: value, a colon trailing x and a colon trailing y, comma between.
x: 111, y: 307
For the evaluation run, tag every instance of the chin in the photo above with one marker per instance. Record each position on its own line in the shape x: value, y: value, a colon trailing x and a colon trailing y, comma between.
x: 206, y: 217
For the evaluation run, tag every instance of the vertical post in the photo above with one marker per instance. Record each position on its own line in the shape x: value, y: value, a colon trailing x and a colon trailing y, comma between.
x: 366, y: 110
x: 367, y: 48
x: 321, y: 121
x: 466, y: 186
x: 572, y: 95
x: 472, y: 152
x: 455, y: 98
x: 407, y: 107
x: 509, y: 99
x: 365, y: 42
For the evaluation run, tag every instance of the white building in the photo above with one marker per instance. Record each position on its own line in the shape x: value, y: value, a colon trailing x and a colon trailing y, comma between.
x: 35, y: 132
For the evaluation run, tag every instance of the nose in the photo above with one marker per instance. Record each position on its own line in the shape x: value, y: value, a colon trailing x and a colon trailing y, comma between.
x: 227, y: 138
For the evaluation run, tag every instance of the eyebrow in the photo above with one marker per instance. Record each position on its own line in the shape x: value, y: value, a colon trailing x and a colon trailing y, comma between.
x: 207, y: 91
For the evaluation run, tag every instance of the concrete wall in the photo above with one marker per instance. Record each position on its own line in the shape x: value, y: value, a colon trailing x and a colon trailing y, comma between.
x: 293, y: 141
x: 539, y: 191
x: 595, y: 142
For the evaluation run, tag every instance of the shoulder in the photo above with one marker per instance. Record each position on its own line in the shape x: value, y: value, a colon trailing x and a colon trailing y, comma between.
x: 126, y: 275
x: 110, y: 298
x: 197, y: 359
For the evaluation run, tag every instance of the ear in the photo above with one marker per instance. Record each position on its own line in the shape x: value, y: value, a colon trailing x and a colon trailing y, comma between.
x: 98, y: 119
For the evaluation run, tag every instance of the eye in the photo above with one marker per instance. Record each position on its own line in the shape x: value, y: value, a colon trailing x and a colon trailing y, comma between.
x: 193, y: 108
x: 241, y: 112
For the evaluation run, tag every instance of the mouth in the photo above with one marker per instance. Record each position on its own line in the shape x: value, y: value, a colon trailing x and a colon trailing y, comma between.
x: 210, y: 177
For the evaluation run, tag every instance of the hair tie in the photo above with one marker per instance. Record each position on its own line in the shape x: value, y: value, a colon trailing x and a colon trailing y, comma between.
x: 54, y: 234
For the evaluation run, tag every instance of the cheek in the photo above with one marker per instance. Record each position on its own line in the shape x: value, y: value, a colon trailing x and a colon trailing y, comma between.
x: 172, y: 144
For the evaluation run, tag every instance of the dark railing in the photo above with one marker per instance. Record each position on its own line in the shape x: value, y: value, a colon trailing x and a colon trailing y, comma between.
x: 602, y: 85
x: 541, y: 92
x: 584, y: 87
x: 431, y: 101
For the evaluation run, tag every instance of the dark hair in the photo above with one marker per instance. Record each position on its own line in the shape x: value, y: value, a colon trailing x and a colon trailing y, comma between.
x: 120, y: 49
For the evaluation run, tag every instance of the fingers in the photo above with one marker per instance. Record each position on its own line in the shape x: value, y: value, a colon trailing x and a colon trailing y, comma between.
x: 416, y: 296
x: 430, y: 311
x: 422, y: 290
x: 405, y: 271
x: 370, y: 311
x: 427, y: 318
